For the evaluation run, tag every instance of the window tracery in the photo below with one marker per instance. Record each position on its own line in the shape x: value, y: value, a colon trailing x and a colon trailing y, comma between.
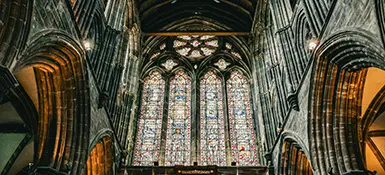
x: 212, y: 135
x: 195, y: 47
x: 150, y: 121
x: 214, y: 94
x: 242, y: 135
x: 179, y: 121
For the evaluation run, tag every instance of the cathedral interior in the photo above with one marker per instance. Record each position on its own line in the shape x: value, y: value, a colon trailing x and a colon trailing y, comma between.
x: 265, y: 87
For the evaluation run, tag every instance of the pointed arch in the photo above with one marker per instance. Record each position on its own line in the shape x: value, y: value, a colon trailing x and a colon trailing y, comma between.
x: 336, y: 98
x: 147, y: 147
x: 212, y: 121
x: 101, y: 157
x: 242, y: 133
x: 63, y: 96
x: 178, y: 140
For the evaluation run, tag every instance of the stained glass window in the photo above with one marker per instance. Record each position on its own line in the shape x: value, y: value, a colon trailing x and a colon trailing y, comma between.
x: 150, y: 121
x: 242, y: 135
x: 179, y: 121
x: 195, y: 46
x: 212, y: 128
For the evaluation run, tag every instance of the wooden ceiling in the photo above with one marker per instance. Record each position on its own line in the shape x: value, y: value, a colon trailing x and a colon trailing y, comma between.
x: 164, y: 15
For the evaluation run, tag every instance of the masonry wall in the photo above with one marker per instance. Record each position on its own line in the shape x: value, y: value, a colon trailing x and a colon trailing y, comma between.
x: 281, y: 56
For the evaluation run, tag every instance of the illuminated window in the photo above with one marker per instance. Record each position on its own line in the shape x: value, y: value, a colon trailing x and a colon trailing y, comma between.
x: 150, y: 121
x: 215, y: 119
x: 242, y: 135
x: 195, y: 47
x: 212, y: 127
x: 179, y: 121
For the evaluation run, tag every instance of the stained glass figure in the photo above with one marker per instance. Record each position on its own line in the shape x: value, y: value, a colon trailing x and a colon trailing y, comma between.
x: 196, y: 46
x: 179, y: 121
x: 169, y: 64
x: 212, y: 128
x: 150, y: 121
x: 242, y: 135
x: 222, y: 64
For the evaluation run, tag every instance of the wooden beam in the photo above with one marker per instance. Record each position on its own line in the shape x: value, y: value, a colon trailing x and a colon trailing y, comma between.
x: 197, y: 33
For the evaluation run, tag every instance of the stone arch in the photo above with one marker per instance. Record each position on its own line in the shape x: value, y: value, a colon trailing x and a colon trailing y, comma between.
x: 101, y: 154
x: 57, y: 62
x: 96, y: 37
x: 335, y: 99
x: 294, y: 156
x: 371, y: 127
x: 302, y: 33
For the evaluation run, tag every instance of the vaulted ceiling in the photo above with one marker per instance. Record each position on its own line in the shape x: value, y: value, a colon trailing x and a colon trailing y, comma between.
x: 198, y: 15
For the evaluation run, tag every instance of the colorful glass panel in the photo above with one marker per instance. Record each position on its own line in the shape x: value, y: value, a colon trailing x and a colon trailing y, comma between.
x: 212, y: 128
x: 195, y: 46
x: 179, y: 121
x: 242, y: 134
x: 150, y: 121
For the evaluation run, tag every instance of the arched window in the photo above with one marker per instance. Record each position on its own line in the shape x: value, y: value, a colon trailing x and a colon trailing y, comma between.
x: 179, y: 121
x: 242, y: 135
x: 212, y: 127
x: 150, y: 121
x: 207, y: 117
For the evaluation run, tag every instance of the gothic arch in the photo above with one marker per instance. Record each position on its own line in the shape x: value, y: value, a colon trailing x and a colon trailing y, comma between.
x: 63, y: 100
x: 294, y: 159
x: 302, y: 34
x: 288, y: 135
x: 101, y: 156
x: 336, y: 97
x: 371, y: 130
x: 95, y: 36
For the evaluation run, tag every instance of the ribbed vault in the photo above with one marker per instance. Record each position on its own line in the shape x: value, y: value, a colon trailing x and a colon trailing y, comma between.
x: 156, y: 15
